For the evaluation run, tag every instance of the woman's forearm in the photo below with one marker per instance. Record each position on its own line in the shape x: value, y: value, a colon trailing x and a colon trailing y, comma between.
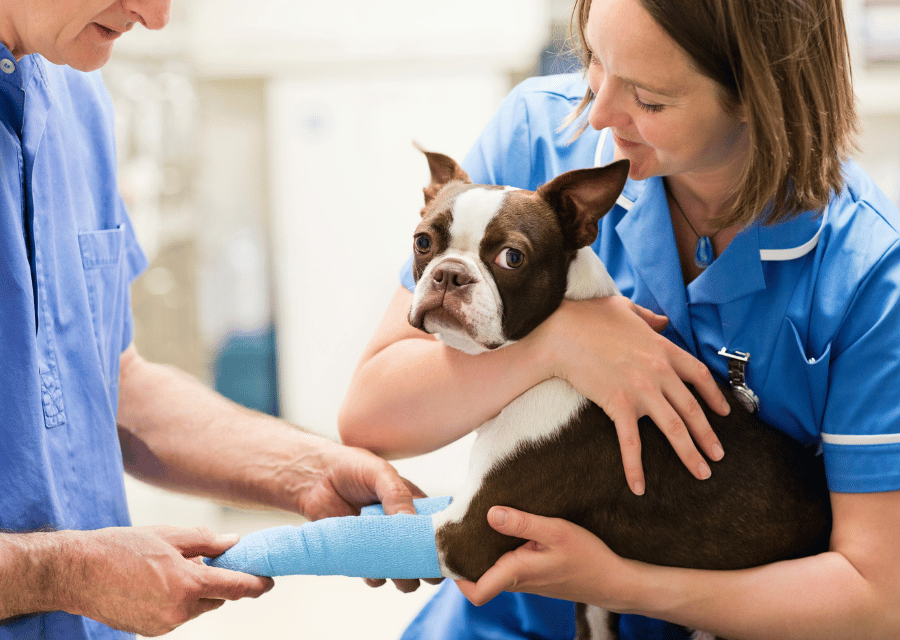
x: 418, y: 395
x: 411, y: 394
x: 821, y: 597
x: 851, y: 591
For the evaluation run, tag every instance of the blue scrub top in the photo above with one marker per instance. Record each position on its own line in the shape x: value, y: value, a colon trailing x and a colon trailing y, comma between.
x: 814, y: 300
x: 69, y: 255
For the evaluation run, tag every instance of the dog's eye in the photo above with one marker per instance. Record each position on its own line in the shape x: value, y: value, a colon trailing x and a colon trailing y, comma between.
x: 510, y: 258
x: 422, y: 243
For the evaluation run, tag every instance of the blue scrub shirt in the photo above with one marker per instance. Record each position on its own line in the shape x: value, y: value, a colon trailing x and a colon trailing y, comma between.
x: 814, y: 300
x: 69, y: 255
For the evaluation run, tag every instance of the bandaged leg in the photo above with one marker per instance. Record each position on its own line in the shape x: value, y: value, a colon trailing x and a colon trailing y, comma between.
x: 371, y: 545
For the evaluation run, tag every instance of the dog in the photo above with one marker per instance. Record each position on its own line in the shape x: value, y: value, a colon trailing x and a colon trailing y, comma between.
x: 490, y: 264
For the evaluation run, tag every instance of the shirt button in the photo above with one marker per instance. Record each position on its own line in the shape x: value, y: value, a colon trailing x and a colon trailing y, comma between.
x: 7, y: 65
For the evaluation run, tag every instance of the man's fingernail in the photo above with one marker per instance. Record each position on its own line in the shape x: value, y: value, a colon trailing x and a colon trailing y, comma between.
x: 639, y: 488
x: 500, y: 517
x: 726, y: 407
x: 717, y: 452
x: 229, y: 538
x: 704, y: 470
x: 407, y: 511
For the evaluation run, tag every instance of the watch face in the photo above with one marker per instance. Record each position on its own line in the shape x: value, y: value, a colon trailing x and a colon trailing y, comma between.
x: 746, y: 397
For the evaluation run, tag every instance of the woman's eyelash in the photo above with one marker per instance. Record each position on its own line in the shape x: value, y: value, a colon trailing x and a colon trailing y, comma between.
x: 652, y: 108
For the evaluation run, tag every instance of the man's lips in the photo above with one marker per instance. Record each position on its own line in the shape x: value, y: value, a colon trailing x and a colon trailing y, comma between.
x: 105, y: 32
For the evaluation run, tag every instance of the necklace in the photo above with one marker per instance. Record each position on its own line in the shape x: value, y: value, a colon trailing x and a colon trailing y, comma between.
x: 703, y: 252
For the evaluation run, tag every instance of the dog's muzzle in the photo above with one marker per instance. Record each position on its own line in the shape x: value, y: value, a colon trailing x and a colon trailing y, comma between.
x: 443, y: 292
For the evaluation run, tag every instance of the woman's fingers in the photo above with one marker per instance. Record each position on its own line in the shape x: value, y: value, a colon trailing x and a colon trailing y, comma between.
x: 656, y: 321
x: 688, y: 407
x: 609, y: 350
x: 625, y: 420
x: 691, y: 370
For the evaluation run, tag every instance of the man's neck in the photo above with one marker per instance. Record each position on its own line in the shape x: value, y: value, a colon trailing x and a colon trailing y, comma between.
x: 9, y: 36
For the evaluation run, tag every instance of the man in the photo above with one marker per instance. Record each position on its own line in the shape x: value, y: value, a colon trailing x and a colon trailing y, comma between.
x: 70, y: 565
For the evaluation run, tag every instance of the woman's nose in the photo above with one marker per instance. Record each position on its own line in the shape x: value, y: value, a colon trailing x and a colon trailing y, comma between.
x: 153, y: 14
x: 606, y: 110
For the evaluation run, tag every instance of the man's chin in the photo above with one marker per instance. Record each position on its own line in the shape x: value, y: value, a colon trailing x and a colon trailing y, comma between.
x: 87, y: 58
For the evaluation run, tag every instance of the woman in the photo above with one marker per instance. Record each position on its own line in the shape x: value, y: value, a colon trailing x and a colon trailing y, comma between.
x: 745, y: 224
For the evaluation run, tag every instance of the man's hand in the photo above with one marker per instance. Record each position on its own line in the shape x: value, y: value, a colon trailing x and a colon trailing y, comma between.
x: 147, y: 580
x: 352, y: 478
x: 342, y: 480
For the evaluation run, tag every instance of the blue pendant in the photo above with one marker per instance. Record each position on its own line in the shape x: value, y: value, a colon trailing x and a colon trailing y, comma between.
x: 703, y: 254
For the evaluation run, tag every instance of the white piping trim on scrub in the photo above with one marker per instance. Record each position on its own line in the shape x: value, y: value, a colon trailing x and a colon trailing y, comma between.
x: 888, y: 438
x: 796, y: 252
x: 770, y: 255
x: 625, y: 203
x: 598, y: 153
x: 622, y: 201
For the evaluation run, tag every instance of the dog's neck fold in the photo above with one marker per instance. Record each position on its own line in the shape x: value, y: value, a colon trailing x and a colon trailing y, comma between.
x: 588, y: 277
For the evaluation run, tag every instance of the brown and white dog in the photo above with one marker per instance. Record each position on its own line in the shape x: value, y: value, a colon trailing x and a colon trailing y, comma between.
x: 491, y: 264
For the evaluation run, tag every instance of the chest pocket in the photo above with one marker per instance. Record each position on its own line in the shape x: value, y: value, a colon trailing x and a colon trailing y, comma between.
x: 102, y: 256
x: 801, y: 378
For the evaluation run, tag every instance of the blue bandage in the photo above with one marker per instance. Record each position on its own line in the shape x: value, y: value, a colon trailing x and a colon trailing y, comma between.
x: 424, y: 506
x: 370, y: 545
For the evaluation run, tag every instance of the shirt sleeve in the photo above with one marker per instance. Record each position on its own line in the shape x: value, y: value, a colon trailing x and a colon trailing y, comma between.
x: 861, y: 423
x: 135, y: 264
x: 503, y: 153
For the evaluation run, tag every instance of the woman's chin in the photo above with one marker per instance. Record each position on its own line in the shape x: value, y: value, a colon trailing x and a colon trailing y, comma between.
x: 640, y: 168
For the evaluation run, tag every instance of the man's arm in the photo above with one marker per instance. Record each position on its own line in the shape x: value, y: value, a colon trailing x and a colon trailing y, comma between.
x: 142, y: 580
x: 28, y: 572
x: 178, y: 434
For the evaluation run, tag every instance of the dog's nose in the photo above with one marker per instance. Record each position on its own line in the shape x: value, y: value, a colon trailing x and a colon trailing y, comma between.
x: 451, y: 275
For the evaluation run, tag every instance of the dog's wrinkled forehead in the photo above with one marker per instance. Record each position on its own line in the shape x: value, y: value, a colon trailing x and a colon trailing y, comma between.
x: 473, y: 212
x: 463, y: 212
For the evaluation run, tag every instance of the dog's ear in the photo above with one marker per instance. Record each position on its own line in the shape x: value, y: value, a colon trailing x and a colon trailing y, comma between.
x: 443, y: 170
x: 583, y: 196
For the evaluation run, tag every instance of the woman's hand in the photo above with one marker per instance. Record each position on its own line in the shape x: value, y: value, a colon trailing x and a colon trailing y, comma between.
x: 609, y: 349
x: 561, y: 560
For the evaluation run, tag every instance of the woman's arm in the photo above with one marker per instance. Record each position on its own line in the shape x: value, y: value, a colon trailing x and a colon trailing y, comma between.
x: 411, y: 394
x: 851, y: 591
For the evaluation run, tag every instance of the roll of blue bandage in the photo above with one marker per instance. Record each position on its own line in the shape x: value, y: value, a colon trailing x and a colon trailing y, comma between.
x: 370, y: 545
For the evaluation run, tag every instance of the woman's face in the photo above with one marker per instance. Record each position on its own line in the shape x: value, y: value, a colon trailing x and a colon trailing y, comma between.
x: 79, y: 33
x: 665, y: 117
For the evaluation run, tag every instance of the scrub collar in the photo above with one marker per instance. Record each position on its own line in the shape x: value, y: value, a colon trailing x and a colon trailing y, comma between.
x: 15, y: 77
x: 788, y: 240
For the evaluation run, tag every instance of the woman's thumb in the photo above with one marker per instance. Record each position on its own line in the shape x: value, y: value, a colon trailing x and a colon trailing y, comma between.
x: 512, y: 522
x: 657, y: 322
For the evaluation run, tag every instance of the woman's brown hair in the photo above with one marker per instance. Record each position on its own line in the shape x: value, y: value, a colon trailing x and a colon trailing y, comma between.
x: 785, y: 66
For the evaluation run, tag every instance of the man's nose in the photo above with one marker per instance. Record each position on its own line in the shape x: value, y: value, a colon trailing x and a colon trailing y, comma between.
x: 153, y: 14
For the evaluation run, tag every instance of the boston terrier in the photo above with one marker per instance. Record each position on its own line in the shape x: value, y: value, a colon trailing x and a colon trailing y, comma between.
x: 490, y: 264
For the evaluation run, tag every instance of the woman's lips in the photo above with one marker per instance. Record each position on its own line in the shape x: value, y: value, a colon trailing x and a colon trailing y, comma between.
x: 625, y: 144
